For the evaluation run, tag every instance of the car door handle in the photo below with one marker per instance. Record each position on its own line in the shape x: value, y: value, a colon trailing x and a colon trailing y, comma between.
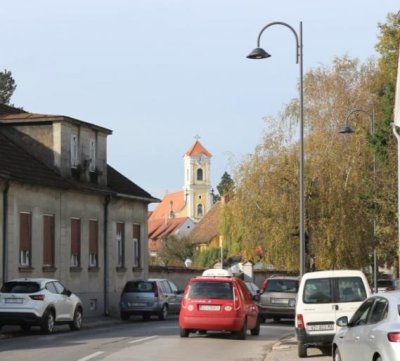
x: 371, y: 337
x: 357, y: 338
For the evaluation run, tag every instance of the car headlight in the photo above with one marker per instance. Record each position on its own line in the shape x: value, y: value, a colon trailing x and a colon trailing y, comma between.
x: 292, y: 302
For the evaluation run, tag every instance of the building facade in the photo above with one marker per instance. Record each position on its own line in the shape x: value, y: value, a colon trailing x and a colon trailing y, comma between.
x: 179, y: 212
x: 64, y: 212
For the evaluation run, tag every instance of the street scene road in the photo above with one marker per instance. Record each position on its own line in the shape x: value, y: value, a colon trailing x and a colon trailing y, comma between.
x: 142, y: 341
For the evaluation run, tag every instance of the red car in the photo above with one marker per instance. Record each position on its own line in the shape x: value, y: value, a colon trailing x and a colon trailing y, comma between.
x: 216, y: 301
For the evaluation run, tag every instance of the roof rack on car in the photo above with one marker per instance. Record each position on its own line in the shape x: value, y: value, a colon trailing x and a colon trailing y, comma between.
x: 217, y: 272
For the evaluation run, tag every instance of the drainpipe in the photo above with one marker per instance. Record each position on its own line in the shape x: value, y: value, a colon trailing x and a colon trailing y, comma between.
x: 5, y: 231
x: 105, y: 250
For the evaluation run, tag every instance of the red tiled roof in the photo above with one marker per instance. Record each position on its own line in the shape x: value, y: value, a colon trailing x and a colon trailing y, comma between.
x: 164, y: 208
x: 160, y: 229
x: 197, y: 148
x: 207, y: 228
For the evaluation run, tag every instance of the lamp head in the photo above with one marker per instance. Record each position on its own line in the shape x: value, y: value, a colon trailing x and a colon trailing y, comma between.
x: 258, y: 53
x: 346, y: 130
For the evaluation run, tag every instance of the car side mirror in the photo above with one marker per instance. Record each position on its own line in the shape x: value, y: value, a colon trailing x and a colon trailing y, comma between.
x: 67, y: 292
x: 342, y: 321
x: 256, y: 298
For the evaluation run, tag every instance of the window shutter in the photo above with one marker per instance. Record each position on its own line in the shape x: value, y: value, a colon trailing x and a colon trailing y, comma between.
x: 93, y: 237
x: 48, y: 240
x: 25, y: 232
x: 136, y: 231
x: 75, y: 236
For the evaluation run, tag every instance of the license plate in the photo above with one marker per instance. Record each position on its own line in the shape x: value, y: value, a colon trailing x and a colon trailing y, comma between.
x: 324, y: 327
x: 279, y: 301
x: 209, y: 308
x: 14, y: 300
x: 137, y: 304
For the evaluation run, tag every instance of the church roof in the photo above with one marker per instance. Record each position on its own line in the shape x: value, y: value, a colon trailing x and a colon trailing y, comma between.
x: 196, y: 149
x: 171, y: 202
x: 207, y: 229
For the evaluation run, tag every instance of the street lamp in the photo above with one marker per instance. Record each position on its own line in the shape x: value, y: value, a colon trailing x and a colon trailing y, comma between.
x: 348, y: 130
x: 259, y: 53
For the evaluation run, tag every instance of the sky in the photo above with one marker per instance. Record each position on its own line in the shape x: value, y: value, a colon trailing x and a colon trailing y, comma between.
x: 158, y: 73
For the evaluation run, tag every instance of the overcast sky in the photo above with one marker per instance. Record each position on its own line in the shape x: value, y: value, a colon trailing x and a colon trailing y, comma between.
x: 159, y: 72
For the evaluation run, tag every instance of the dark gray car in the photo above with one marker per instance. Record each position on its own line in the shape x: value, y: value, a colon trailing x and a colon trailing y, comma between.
x: 150, y: 297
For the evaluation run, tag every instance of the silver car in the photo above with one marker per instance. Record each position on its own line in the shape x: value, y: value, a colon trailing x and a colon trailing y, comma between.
x: 373, y: 333
x: 278, y: 297
x: 150, y: 297
x: 40, y: 302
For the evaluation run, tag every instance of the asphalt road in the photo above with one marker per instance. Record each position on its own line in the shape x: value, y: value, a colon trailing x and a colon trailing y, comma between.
x: 138, y: 341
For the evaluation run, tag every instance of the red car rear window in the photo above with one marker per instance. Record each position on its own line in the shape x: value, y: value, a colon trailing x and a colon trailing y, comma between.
x: 209, y: 289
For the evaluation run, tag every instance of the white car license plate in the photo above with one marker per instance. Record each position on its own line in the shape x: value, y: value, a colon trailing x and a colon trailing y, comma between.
x: 137, y: 304
x: 14, y: 300
x: 279, y: 301
x: 209, y: 307
x: 324, y: 327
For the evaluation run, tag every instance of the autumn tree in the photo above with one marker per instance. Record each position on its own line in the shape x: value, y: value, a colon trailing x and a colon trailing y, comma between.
x: 175, y: 250
x: 262, y: 220
x: 384, y: 142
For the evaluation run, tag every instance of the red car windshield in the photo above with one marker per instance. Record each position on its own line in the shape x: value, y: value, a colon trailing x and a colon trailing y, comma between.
x: 210, y: 289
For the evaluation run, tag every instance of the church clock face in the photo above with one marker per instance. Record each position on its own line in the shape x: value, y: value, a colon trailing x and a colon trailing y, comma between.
x: 200, y: 159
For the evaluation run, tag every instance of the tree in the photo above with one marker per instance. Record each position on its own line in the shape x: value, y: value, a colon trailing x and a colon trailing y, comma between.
x: 175, y: 250
x: 7, y: 86
x: 226, y: 185
x: 343, y: 199
x: 264, y: 214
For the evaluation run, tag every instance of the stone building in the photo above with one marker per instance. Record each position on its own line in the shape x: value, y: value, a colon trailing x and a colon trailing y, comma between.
x: 64, y: 212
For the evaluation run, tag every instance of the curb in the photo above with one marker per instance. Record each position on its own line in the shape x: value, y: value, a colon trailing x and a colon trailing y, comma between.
x: 285, y: 343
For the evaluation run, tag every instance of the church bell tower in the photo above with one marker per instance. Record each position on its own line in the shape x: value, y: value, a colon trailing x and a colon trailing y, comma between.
x: 197, y: 182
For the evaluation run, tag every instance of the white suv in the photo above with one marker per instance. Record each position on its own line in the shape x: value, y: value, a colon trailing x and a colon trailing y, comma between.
x: 39, y: 302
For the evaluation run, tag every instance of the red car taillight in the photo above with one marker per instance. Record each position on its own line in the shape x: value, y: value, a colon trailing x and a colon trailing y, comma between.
x: 300, y: 321
x: 393, y: 336
x: 37, y: 297
x: 236, y: 299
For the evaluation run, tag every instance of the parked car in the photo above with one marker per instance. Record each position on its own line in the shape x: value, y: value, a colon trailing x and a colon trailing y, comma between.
x: 388, y: 284
x: 373, y: 333
x: 154, y: 296
x: 217, y: 301
x: 278, y: 297
x: 254, y: 290
x: 323, y: 297
x: 40, y: 302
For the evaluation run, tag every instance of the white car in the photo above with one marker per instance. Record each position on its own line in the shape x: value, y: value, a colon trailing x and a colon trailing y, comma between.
x: 39, y: 302
x: 323, y: 297
x: 373, y: 333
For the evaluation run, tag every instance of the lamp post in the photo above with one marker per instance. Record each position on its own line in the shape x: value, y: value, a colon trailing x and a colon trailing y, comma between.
x: 348, y: 130
x: 259, y: 53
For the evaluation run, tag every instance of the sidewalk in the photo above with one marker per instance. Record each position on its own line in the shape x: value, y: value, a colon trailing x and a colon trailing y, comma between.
x: 286, y: 350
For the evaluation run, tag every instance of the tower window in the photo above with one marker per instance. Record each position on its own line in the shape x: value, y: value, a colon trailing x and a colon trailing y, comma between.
x: 199, y: 174
x: 200, y: 210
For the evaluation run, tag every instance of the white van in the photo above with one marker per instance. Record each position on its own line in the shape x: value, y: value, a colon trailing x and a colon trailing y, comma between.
x: 323, y: 297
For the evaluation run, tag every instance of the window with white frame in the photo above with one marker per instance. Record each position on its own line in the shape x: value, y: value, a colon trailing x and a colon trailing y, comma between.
x: 75, y: 242
x: 93, y: 243
x: 136, y: 245
x: 25, y: 239
x: 120, y: 247
x: 92, y: 155
x: 74, y: 151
